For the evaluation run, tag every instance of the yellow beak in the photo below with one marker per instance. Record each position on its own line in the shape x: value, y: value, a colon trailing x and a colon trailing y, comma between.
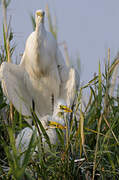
x: 53, y: 124
x: 65, y: 108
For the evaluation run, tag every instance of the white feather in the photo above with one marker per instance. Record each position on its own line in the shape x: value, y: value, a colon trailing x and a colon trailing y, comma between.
x: 23, y: 138
x: 41, y: 74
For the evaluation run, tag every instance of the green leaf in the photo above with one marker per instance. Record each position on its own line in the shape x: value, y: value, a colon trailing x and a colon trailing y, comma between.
x: 33, y: 21
x: 60, y: 135
x: 7, y: 3
x: 30, y: 150
x: 99, y: 87
x: 12, y: 143
x: 2, y: 105
x: 35, y: 118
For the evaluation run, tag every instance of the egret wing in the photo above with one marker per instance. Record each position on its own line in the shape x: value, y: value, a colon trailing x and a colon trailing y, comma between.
x: 12, y: 77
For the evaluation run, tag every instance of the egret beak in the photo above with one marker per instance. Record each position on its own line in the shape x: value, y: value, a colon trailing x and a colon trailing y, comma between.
x: 65, y: 108
x: 53, y: 124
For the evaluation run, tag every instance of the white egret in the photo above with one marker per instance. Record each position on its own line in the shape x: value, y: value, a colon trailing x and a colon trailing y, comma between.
x: 45, y: 64
x: 42, y: 75
x: 39, y: 60
x: 49, y: 123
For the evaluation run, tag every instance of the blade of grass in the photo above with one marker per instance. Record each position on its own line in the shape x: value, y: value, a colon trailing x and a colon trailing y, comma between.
x: 111, y: 130
x: 37, y: 122
x: 96, y: 148
x: 89, y: 102
x: 33, y: 21
x: 99, y: 88
x: 96, y: 132
x: 53, y: 29
x: 106, y: 107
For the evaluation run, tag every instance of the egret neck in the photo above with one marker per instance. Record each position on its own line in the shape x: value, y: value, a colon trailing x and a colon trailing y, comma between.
x: 39, y: 19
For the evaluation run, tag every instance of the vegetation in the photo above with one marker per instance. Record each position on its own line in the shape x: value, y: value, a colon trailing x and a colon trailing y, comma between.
x: 90, y: 150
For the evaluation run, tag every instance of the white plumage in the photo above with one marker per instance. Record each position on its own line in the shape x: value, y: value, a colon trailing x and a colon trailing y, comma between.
x: 23, y: 138
x: 14, y: 86
x: 42, y: 74
x: 39, y: 60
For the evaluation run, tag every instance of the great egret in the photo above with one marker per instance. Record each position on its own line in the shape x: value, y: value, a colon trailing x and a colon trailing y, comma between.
x: 43, y: 60
x: 39, y: 60
x: 42, y: 75
x: 49, y: 123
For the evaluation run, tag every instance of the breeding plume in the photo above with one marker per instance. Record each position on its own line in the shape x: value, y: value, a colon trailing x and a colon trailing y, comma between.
x: 42, y: 75
x: 57, y: 120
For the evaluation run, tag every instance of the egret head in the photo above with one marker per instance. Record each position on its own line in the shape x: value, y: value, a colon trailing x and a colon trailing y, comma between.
x: 61, y: 108
x: 39, y: 16
x: 58, y: 117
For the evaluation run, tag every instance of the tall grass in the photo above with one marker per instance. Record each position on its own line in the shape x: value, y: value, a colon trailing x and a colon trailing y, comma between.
x: 90, y: 150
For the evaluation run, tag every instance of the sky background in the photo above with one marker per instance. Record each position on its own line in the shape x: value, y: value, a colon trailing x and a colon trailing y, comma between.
x: 89, y: 28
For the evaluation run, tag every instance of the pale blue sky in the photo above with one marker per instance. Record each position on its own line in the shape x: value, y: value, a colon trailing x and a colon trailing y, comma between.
x: 89, y: 27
